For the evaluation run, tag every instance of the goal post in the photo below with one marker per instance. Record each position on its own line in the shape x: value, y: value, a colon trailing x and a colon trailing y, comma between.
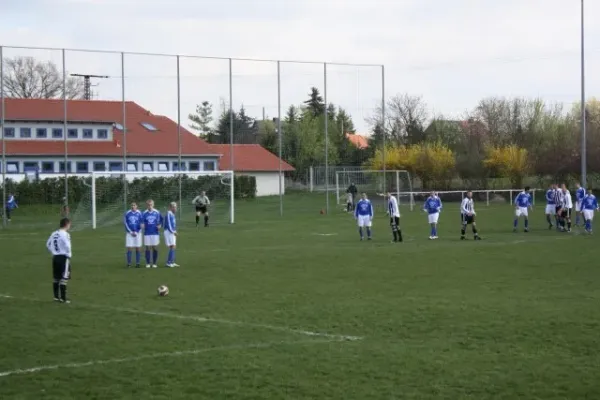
x: 376, y: 183
x: 110, y: 193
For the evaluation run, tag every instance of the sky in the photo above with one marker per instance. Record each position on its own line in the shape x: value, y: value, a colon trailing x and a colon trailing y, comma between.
x: 451, y: 52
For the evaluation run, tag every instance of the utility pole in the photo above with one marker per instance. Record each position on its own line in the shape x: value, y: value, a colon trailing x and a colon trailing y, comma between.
x: 87, y: 83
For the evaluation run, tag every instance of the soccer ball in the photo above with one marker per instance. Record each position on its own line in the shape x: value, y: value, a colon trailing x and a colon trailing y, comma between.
x: 163, y: 291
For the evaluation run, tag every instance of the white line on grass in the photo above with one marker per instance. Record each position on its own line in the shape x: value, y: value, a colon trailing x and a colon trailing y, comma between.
x: 93, y: 363
x: 205, y: 319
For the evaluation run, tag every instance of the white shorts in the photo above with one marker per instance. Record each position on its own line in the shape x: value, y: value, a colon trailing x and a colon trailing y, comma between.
x: 550, y: 209
x: 577, y: 206
x: 522, y: 212
x: 364, y: 220
x: 133, y: 241
x: 433, y: 218
x: 151, y: 240
x: 170, y: 239
x: 588, y: 215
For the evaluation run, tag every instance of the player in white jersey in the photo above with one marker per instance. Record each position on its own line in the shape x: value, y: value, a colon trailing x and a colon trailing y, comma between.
x: 567, y: 208
x: 59, y: 245
x: 467, y: 217
x: 394, y: 213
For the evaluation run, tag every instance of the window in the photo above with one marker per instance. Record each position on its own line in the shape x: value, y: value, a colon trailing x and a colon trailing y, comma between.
x: 61, y: 166
x: 57, y: 133
x: 73, y: 133
x: 209, y: 165
x: 26, y: 133
x: 194, y: 166
x: 99, y: 166
x: 132, y: 166
x: 176, y: 166
x: 102, y: 134
x: 82, y: 166
x: 41, y: 133
x: 115, y: 166
x: 88, y: 133
x: 163, y: 166
x: 9, y: 132
x: 47, y: 167
x: 12, y: 167
x: 147, y: 167
x: 148, y: 126
x: 118, y: 126
x: 30, y: 166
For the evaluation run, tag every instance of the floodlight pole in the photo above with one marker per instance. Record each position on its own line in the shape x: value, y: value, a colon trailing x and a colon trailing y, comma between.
x: 326, y: 139
x: 3, y: 166
x: 124, y: 124
x: 64, y: 66
x: 583, y: 102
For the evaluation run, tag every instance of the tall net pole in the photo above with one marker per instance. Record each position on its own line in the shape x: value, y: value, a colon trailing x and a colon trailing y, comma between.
x: 231, y: 115
x: 3, y: 166
x: 179, y: 133
x: 583, y: 105
x: 64, y: 67
x: 124, y: 124
x: 326, y: 139
x: 280, y: 144
x: 383, y: 121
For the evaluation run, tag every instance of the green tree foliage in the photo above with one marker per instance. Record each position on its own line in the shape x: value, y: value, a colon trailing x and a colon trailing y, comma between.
x: 315, y: 105
x: 202, y: 119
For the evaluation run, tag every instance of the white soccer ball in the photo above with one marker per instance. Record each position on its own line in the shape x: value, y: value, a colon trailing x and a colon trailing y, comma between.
x: 163, y: 291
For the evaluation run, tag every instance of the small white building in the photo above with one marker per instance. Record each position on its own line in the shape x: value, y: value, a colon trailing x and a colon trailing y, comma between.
x: 104, y: 136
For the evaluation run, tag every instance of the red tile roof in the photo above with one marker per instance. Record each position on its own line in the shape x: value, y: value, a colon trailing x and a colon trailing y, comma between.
x: 250, y: 157
x: 140, y: 141
x: 359, y: 141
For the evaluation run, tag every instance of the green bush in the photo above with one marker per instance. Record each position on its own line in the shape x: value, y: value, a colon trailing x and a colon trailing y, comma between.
x: 109, y: 190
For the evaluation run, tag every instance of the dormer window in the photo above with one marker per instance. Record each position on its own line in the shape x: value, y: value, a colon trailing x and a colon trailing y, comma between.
x: 149, y: 126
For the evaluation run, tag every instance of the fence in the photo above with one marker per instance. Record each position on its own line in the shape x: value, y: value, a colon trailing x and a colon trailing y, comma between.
x: 122, y: 111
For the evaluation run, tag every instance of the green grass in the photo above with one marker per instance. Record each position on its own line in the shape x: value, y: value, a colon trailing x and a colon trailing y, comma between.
x: 513, y: 316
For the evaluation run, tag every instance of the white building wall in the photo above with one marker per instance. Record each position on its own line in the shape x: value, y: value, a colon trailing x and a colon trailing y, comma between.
x: 267, y: 183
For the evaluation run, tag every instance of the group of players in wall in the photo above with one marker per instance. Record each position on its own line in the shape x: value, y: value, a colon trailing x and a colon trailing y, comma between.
x: 559, y: 211
x: 148, y: 224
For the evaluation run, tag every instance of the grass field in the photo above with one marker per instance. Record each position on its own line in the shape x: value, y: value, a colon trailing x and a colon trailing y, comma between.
x: 298, y: 308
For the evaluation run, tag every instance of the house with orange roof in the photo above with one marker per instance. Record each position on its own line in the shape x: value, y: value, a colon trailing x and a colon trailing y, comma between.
x: 96, y: 134
x: 359, y: 141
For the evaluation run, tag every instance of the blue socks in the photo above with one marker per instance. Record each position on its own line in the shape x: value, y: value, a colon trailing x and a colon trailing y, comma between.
x: 147, y: 256
x: 526, y: 223
x: 138, y: 256
x: 368, y: 232
x: 577, y: 219
x: 434, y: 230
x: 588, y: 225
x: 171, y: 256
x: 360, y: 232
x: 516, y: 223
x: 128, y: 257
x: 154, y: 256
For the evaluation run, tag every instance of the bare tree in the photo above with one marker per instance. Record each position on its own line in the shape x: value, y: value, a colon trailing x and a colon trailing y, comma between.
x: 405, y: 118
x: 28, y: 78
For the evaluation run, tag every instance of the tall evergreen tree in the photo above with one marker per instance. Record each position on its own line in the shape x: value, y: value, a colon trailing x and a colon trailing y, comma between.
x: 202, y: 119
x: 315, y: 104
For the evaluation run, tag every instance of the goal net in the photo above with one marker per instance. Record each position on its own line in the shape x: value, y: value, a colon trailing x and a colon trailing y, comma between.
x: 375, y: 183
x: 111, y: 194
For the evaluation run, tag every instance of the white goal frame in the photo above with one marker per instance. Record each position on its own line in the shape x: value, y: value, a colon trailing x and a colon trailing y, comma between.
x: 395, y: 172
x: 130, y: 175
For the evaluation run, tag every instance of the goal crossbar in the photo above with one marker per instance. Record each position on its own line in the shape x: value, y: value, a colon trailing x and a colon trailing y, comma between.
x: 129, y: 176
x: 394, y: 174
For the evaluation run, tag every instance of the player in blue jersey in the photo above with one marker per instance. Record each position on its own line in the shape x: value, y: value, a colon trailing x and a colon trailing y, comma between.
x: 433, y: 207
x: 579, y: 195
x: 523, y: 203
x: 170, y: 234
x: 363, y: 213
x: 589, y: 205
x: 551, y: 205
x: 133, y: 234
x: 11, y: 204
x: 151, y: 223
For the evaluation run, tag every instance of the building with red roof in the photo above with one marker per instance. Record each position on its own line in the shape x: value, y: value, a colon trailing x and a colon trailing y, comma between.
x: 99, y: 133
x: 360, y: 142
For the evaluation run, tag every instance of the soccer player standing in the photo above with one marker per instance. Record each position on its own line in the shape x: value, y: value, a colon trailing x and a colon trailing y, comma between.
x: 394, y: 213
x: 589, y: 206
x: 560, y: 207
x: 550, y: 205
x: 170, y: 234
x: 59, y: 245
x: 201, y: 202
x: 433, y: 206
x: 567, y: 208
x: 11, y: 204
x: 133, y: 234
x: 151, y: 223
x: 523, y: 203
x: 579, y: 195
x: 353, y: 191
x: 363, y: 213
x: 467, y: 217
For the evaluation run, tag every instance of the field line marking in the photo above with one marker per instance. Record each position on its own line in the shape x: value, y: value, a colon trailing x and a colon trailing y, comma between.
x: 92, y: 363
x: 206, y: 319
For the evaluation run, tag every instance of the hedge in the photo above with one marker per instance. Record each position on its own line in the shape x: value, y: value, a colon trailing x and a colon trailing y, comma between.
x: 110, y: 190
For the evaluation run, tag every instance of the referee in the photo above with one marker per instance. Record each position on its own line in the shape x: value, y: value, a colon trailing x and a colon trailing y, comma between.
x: 59, y: 244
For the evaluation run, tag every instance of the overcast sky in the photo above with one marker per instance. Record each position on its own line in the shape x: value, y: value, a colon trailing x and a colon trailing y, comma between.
x: 451, y: 52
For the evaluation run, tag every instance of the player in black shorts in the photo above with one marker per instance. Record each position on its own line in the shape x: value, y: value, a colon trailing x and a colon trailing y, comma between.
x: 201, y: 202
x: 59, y: 245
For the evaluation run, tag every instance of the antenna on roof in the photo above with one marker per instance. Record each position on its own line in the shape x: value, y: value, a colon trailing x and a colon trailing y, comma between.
x: 87, y: 84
